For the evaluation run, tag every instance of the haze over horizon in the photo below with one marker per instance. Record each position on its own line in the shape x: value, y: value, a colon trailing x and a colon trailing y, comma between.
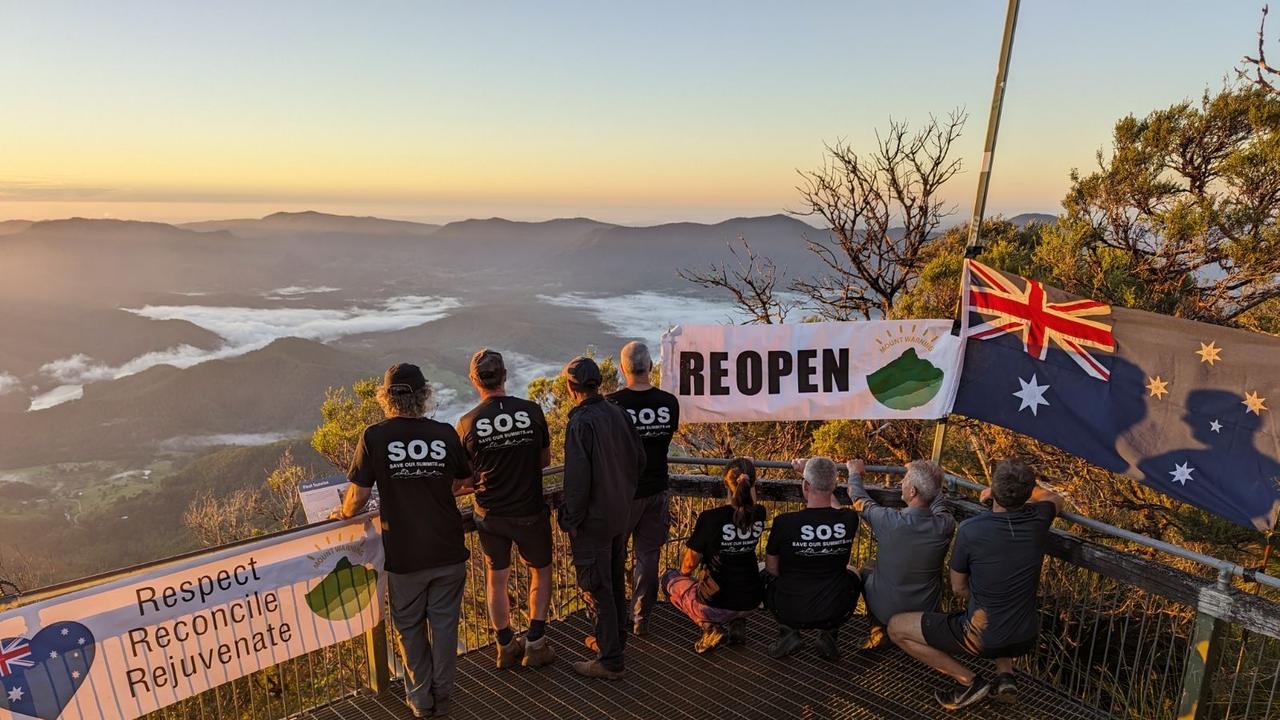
x: 179, y: 112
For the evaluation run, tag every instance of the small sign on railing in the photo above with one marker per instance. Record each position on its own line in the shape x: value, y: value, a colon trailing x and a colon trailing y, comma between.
x: 151, y: 639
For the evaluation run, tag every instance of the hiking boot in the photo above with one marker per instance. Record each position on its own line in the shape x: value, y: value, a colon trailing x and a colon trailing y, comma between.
x: 538, y: 653
x: 509, y: 655
x: 827, y: 646
x: 593, y: 669
x: 1006, y: 689
x: 964, y: 696
x: 413, y: 709
x: 712, y: 636
x: 591, y: 644
x: 641, y: 627
x: 877, y: 639
x: 441, y: 708
x: 788, y: 641
x: 738, y: 632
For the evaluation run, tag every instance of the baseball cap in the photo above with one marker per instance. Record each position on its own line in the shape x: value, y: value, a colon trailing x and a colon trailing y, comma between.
x: 487, y: 366
x: 404, y: 376
x: 583, y: 372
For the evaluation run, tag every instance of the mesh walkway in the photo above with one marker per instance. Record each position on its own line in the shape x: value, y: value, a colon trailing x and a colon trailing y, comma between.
x: 666, y: 680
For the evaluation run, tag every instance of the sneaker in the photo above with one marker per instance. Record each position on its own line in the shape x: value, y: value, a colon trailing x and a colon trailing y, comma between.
x: 591, y: 644
x: 788, y: 641
x: 877, y: 639
x: 593, y: 669
x: 964, y: 696
x: 441, y: 708
x: 509, y: 655
x: 712, y: 636
x: 538, y: 653
x: 738, y: 632
x: 1006, y: 689
x: 641, y: 627
x: 827, y: 646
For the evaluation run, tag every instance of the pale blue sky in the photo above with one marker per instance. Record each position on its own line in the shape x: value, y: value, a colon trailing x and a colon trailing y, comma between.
x: 638, y: 113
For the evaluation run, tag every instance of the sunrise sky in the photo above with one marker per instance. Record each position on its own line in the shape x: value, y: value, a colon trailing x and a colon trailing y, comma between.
x: 641, y: 113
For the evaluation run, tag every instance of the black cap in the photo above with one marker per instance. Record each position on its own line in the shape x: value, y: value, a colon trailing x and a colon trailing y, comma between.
x: 487, y: 367
x: 404, y: 376
x: 583, y: 372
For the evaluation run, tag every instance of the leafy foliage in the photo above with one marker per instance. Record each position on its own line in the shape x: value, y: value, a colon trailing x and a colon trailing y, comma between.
x: 346, y: 414
x: 552, y: 393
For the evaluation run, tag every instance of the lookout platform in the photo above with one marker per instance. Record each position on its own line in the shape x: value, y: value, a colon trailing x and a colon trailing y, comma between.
x: 667, y: 680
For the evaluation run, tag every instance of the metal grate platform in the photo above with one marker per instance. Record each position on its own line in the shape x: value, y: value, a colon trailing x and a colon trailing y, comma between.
x: 667, y: 680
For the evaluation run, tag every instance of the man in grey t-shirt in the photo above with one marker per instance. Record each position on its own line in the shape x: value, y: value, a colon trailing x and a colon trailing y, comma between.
x: 911, y: 544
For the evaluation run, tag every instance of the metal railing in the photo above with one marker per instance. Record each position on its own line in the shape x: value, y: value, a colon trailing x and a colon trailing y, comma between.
x: 1131, y: 636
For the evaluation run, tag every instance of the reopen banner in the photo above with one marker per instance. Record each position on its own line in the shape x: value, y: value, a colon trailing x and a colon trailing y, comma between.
x: 137, y: 644
x: 881, y: 369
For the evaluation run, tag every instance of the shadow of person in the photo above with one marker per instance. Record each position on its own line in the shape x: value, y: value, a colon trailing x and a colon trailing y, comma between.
x: 1228, y: 476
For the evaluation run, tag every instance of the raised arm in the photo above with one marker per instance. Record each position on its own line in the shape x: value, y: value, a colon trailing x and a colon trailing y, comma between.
x: 1041, y: 494
x: 353, y: 502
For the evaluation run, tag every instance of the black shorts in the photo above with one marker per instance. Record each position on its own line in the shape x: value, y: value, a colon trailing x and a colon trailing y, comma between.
x: 531, y: 534
x: 948, y: 632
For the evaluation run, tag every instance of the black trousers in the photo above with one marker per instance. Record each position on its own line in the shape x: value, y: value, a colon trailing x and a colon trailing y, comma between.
x: 601, y: 564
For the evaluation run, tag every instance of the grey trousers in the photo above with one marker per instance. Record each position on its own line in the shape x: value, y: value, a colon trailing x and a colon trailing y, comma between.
x: 424, y: 609
x: 650, y: 523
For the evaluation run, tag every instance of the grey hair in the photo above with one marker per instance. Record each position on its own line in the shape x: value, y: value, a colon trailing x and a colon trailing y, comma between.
x: 635, y: 358
x: 404, y: 404
x: 926, y: 477
x: 820, y: 472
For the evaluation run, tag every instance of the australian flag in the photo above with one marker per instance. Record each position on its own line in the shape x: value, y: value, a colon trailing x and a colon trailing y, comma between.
x: 1184, y: 407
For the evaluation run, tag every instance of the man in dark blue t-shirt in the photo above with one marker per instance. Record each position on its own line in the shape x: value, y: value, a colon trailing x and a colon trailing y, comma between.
x: 995, y: 564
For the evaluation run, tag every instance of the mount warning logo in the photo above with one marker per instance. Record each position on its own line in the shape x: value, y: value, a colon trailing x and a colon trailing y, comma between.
x: 908, y: 381
x: 345, y: 592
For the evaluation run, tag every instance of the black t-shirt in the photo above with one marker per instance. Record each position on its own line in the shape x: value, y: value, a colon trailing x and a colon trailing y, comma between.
x: 504, y: 438
x: 656, y: 415
x: 730, y: 554
x: 813, y: 542
x: 414, y: 462
x: 1002, y: 553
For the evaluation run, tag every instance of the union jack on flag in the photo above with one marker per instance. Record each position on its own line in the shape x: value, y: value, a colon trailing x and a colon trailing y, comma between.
x: 1007, y: 306
x: 13, y: 655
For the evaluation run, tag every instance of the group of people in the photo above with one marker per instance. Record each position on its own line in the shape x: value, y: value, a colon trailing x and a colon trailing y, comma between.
x: 616, y: 494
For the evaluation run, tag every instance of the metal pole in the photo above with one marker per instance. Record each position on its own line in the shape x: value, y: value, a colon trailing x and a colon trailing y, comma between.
x: 973, y: 245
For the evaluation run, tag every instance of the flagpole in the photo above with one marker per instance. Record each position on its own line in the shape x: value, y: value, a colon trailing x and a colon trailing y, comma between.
x: 973, y: 244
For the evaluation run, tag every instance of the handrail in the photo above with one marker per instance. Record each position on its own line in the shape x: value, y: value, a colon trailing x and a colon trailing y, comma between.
x: 1226, y: 569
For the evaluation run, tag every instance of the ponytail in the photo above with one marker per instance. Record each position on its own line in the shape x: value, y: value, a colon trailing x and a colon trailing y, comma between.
x: 740, y: 478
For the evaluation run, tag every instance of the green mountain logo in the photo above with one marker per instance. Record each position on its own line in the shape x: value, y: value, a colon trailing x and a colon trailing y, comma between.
x: 345, y: 592
x: 906, y: 382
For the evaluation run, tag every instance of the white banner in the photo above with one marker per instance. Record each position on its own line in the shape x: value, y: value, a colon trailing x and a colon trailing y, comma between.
x: 877, y: 370
x: 145, y: 641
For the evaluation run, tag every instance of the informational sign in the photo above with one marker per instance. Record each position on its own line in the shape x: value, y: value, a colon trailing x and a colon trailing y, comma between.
x: 148, y: 640
x: 320, y: 497
x: 882, y: 369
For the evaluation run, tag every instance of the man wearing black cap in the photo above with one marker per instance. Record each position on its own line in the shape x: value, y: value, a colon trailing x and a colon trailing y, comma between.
x: 603, y: 458
x: 418, y: 465
x: 508, y: 443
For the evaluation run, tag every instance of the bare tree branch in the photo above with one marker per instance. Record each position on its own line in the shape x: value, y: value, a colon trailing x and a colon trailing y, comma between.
x: 751, y: 280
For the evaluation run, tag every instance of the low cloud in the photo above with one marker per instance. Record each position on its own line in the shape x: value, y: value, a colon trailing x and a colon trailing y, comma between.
x: 30, y: 190
x: 646, y: 315
x: 298, y: 291
x: 9, y: 383
x: 56, y: 396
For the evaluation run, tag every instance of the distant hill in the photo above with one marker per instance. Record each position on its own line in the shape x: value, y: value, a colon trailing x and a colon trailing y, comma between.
x: 291, y: 223
x: 1029, y: 218
x: 9, y: 227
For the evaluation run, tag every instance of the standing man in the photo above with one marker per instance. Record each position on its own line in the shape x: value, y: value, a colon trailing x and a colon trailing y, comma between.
x: 507, y: 441
x: 418, y: 465
x: 995, y: 564
x: 656, y: 415
x: 603, y: 458
x: 911, y: 545
x: 807, y: 557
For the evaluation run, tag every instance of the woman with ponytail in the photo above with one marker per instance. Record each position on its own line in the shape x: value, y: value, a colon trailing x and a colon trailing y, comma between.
x: 718, y: 583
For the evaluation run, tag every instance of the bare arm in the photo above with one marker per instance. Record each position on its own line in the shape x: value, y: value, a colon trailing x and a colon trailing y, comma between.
x: 692, y: 559
x: 1039, y: 494
x: 960, y: 584
x: 771, y: 564
x: 353, y: 502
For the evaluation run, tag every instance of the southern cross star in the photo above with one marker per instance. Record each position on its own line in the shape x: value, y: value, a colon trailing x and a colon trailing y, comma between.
x: 1181, y: 473
x: 1209, y: 353
x: 1215, y: 426
x: 1031, y: 395
x: 15, y: 695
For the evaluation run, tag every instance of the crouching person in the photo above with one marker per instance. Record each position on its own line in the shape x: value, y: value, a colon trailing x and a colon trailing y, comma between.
x: 418, y: 465
x: 807, y: 557
x: 995, y: 564
x: 723, y: 548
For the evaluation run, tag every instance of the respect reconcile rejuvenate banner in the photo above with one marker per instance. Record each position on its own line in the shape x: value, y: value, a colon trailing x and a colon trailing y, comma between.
x: 874, y: 370
x: 142, y: 642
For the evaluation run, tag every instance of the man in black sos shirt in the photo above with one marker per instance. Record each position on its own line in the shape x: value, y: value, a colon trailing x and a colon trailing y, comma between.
x: 656, y: 415
x: 507, y: 440
x: 418, y: 465
x: 808, y: 557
